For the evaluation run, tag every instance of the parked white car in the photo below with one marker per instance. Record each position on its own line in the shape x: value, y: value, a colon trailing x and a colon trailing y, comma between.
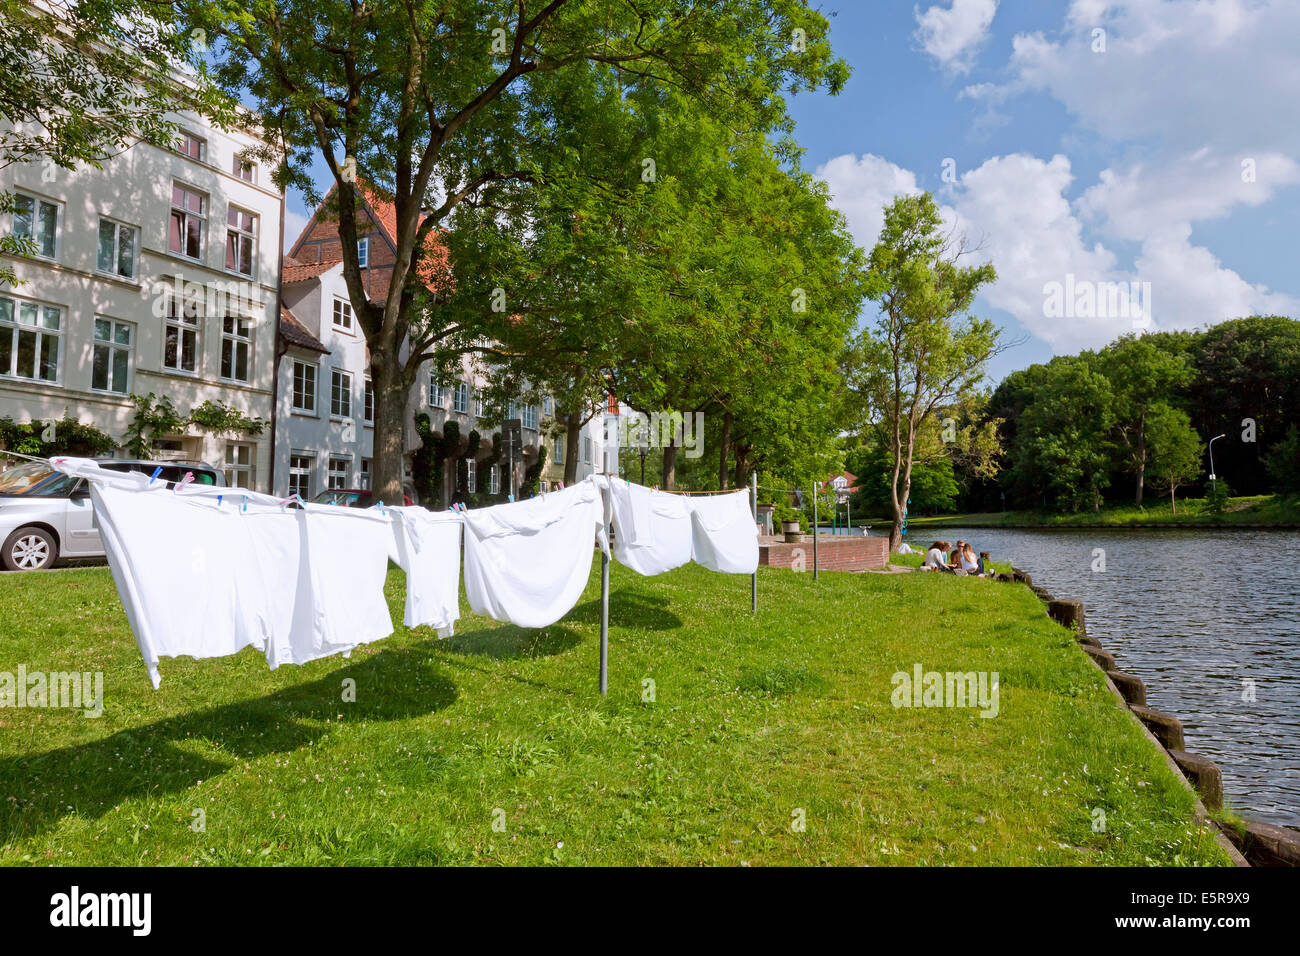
x: 46, y: 515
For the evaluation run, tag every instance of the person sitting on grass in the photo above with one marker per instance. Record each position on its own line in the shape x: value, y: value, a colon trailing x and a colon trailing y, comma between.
x: 935, y: 557
x: 969, y: 563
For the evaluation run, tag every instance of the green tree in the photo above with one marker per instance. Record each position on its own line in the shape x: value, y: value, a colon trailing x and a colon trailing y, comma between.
x: 1175, y: 450
x: 1063, y: 445
x: 1283, y: 463
x: 1141, y: 376
x: 446, y: 107
x: 917, y: 357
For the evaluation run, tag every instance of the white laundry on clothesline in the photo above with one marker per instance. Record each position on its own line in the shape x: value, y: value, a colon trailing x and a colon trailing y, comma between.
x: 528, y: 562
x: 428, y: 550
x: 652, y: 529
x: 205, y: 572
x: 724, y: 536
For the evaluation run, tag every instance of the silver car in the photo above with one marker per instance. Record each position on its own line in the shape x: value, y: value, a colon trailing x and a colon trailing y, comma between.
x: 46, y: 515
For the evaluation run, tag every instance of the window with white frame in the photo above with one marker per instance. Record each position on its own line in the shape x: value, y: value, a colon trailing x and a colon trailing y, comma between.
x: 244, y: 169
x: 363, y: 252
x: 338, y: 472
x: 342, y: 315
x: 118, y: 245
x: 300, y: 475
x: 471, y: 479
x: 436, y: 398
x: 530, y: 417
x: 236, y: 348
x: 239, y: 464
x: 304, y: 387
x: 181, y: 334
x: 110, y: 366
x: 367, y: 468
x: 479, y: 404
x: 241, y: 241
x: 340, y: 394
x: 494, y: 480
x: 368, y: 402
x: 461, y: 399
x: 548, y: 405
x: 189, y: 219
x: 38, y: 220
x: 586, y: 450
x: 194, y: 147
x: 558, y: 449
x: 30, y: 340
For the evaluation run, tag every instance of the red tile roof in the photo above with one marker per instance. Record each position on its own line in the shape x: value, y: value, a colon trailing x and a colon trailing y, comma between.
x: 434, y: 266
x: 295, y: 271
x: 295, y: 333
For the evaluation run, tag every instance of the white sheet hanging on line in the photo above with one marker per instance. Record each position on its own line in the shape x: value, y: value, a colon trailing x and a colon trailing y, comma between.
x: 204, y: 572
x: 428, y: 550
x: 339, y: 602
x: 175, y: 564
x: 652, y: 529
x: 528, y: 562
x: 724, y: 535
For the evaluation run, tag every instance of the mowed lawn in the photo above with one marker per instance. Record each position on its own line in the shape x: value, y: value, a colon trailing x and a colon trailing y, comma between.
x: 726, y: 738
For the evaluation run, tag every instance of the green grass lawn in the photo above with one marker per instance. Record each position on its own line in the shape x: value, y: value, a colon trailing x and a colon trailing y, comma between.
x: 495, y: 747
x: 1253, y: 510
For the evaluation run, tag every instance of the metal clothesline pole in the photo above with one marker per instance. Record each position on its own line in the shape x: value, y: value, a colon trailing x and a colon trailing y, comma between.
x: 815, y: 529
x: 604, y: 597
x: 753, y: 578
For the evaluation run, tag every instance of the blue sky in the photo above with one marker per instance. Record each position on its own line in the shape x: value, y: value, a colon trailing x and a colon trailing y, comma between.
x: 1079, y: 162
x: 1112, y: 157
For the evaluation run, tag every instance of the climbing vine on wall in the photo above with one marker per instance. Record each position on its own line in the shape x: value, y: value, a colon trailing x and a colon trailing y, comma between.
x: 158, y: 416
x: 67, y: 436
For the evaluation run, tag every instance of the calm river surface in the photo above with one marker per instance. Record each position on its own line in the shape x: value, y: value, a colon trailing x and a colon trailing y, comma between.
x: 1197, y: 615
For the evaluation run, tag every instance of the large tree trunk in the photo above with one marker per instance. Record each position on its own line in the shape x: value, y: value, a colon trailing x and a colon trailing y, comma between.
x: 391, y: 392
x: 724, y: 451
x: 741, y: 473
x: 670, y: 464
x: 572, y: 441
x: 1141, y: 455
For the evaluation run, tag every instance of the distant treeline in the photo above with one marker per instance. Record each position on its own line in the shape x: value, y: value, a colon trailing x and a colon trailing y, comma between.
x: 1113, y: 425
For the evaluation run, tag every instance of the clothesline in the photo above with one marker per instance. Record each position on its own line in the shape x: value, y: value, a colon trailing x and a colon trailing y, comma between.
x: 277, y: 584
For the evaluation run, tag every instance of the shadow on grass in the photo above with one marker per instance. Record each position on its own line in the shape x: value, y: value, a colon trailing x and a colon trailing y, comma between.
x: 509, y: 642
x: 90, y: 779
x: 629, y: 608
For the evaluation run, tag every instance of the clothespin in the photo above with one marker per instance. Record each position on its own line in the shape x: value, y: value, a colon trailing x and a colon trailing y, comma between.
x: 381, y: 509
x: 219, y: 497
x: 156, y: 472
x: 189, y: 476
x: 244, y: 508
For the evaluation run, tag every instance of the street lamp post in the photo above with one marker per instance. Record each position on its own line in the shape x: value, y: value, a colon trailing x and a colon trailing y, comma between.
x: 1211, y: 449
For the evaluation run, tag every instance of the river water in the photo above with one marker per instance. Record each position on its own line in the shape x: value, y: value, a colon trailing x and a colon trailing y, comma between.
x: 1208, y: 619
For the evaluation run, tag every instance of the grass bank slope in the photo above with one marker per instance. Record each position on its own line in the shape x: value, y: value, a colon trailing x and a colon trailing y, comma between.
x: 725, y: 738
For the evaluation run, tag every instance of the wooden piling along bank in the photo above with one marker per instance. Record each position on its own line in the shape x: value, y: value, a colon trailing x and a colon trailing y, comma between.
x: 1261, y: 844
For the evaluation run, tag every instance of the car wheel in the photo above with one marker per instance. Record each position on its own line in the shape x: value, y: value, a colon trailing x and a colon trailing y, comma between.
x: 29, y: 549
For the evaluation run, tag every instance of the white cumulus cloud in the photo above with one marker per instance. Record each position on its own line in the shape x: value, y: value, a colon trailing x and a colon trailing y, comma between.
x: 952, y: 34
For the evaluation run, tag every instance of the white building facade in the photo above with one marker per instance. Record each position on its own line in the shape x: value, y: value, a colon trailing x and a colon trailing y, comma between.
x: 158, y: 273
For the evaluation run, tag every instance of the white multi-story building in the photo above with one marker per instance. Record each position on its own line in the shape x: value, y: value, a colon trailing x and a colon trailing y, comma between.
x: 157, y: 273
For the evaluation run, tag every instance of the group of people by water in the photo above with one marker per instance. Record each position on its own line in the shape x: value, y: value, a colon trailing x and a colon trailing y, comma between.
x: 959, y: 558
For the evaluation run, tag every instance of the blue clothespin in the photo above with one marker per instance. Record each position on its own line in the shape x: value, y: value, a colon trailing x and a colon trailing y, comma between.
x: 244, y: 508
x: 156, y: 472
x: 219, y: 497
x: 381, y: 508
